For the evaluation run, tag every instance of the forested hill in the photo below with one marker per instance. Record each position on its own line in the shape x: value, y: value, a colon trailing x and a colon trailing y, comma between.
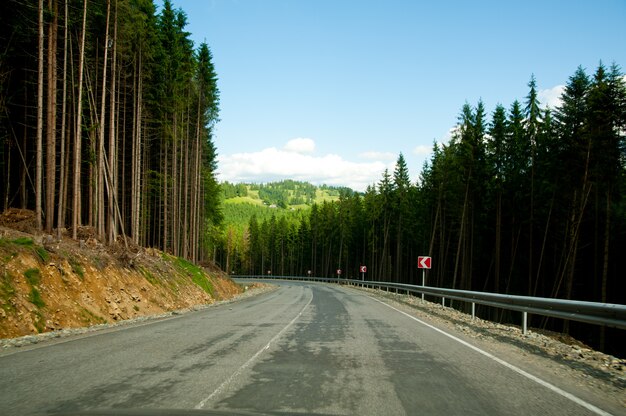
x: 283, y: 194
x: 288, y: 198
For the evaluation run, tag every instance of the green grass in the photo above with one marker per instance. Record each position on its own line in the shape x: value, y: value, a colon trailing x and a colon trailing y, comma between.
x: 42, y: 253
x: 89, y: 317
x: 25, y: 242
x: 33, y: 276
x: 195, y: 272
x: 244, y: 200
x: 8, y: 257
x: 7, y: 291
x: 77, y: 268
x: 34, y: 297
x: 149, y: 276
x: 204, y: 284
x: 323, y: 195
x: 39, y: 321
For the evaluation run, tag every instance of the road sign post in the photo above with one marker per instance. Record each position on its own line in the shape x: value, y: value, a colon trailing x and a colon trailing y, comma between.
x: 363, y: 270
x: 423, y: 262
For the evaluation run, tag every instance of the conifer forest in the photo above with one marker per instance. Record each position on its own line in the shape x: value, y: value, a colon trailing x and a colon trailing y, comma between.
x: 106, y: 120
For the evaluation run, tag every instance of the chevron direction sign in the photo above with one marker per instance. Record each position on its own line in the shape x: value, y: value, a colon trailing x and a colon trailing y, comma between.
x: 423, y: 262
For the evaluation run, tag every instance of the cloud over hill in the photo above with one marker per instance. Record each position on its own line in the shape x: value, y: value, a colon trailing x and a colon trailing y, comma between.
x: 297, y: 160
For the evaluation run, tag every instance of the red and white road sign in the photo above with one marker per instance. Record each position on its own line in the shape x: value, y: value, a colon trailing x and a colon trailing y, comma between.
x: 339, y: 272
x: 363, y: 269
x: 423, y: 262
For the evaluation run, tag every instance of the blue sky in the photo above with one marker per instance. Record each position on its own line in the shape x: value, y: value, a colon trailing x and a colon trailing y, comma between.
x: 332, y: 91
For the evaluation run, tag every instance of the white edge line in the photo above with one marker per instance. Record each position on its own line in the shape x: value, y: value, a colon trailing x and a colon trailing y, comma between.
x: 510, y: 366
x: 251, y: 359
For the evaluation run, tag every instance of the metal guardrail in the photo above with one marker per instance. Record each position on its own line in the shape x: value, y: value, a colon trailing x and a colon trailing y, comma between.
x: 606, y: 314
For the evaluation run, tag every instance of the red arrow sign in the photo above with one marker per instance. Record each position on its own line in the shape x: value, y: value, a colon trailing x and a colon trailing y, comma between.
x: 363, y: 269
x: 423, y: 262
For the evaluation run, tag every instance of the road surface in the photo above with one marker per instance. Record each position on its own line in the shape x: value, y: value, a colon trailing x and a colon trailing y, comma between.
x: 303, y: 348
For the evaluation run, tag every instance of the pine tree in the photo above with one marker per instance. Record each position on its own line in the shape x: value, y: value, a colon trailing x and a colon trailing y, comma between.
x: 401, y: 185
x: 574, y: 149
x: 497, y: 134
x: 531, y: 125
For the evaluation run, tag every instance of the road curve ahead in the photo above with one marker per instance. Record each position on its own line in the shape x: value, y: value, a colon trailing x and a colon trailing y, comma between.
x: 303, y: 348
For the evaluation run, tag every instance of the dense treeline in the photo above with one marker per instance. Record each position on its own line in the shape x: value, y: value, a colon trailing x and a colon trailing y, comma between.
x: 232, y: 244
x: 523, y: 201
x: 285, y: 202
x: 106, y: 117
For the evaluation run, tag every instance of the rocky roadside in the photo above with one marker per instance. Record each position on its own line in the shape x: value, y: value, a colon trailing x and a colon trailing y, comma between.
x: 8, y: 344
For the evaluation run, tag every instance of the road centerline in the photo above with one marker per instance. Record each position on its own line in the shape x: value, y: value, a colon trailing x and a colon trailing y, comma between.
x: 253, y: 358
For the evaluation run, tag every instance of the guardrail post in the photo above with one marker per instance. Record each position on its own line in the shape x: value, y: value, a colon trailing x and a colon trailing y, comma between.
x: 473, y: 310
x: 443, y: 302
x: 524, y: 323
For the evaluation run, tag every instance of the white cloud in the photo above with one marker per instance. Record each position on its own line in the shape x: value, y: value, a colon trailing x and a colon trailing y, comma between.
x: 447, y: 137
x: 372, y: 155
x: 300, y: 145
x: 290, y: 162
x: 551, y: 97
x: 423, y: 150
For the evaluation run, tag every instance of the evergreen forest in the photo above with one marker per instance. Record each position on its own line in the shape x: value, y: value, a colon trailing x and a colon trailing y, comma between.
x: 107, y: 111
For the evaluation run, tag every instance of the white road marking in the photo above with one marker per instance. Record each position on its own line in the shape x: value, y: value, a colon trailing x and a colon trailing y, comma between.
x: 245, y: 365
x: 518, y: 370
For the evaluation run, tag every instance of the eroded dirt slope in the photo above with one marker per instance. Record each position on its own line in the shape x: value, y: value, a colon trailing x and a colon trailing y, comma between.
x: 48, y: 284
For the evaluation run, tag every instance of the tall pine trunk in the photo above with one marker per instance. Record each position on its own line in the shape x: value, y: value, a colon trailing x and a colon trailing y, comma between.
x: 62, y: 164
x: 174, y: 189
x: 605, y: 263
x: 39, y: 152
x: 112, y: 159
x: 76, y: 213
x: 136, y: 154
x: 51, y: 118
x: 462, y: 234
x: 100, y: 175
x: 186, y: 203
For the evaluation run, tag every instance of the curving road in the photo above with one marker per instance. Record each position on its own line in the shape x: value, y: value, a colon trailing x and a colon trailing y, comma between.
x: 303, y: 348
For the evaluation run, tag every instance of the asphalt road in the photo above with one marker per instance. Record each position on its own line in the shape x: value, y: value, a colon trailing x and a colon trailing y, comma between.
x: 304, y: 348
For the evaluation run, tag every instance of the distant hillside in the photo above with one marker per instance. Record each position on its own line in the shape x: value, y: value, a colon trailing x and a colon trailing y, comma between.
x: 284, y: 194
x: 284, y: 198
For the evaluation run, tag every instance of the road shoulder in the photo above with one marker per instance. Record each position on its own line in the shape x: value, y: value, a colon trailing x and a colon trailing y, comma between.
x: 593, y: 376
